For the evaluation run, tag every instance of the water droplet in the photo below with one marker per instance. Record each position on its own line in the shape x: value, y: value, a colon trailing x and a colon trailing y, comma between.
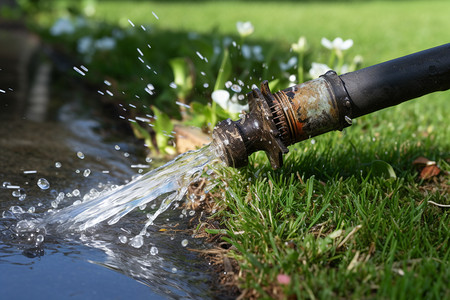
x: 137, y: 241
x: 31, y: 210
x: 123, y: 239
x: 348, y: 120
x: 80, y: 155
x: 43, y: 183
x: 79, y: 71
x: 174, y: 270
x: 199, y: 55
x: 86, y: 172
x: 30, y: 172
x: 22, y: 196
x: 19, y: 193
x: 192, y: 212
x: 236, y: 88
x: 58, y: 164
x: 16, y: 209
x: 60, y: 196
x: 153, y: 250
x: 228, y: 84
x: 6, y: 184
x: 184, y: 243
x: 23, y: 226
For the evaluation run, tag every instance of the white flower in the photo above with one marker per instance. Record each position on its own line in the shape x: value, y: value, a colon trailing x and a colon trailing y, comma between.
x: 292, y: 80
x: 245, y: 28
x: 248, y: 52
x: 318, y: 69
x: 257, y: 51
x: 344, y: 69
x: 222, y: 97
x: 300, y: 46
x: 89, y: 9
x: 118, y: 34
x: 337, y: 44
x: 85, y: 44
x: 290, y: 63
x: 62, y: 26
x: 105, y: 43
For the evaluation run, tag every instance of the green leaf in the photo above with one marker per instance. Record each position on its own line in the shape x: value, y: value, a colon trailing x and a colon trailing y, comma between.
x: 380, y: 168
x: 141, y: 133
x: 224, y: 71
x: 163, y: 127
x: 182, y: 76
x: 215, y: 231
x: 162, y: 121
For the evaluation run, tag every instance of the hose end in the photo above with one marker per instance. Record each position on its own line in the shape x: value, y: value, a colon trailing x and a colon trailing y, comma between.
x: 256, y: 130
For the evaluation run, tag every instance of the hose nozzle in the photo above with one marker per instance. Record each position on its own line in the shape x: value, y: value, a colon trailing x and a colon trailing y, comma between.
x: 278, y: 120
x: 236, y: 140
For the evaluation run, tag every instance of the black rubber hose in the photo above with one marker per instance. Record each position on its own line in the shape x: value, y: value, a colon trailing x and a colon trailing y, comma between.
x: 395, y: 81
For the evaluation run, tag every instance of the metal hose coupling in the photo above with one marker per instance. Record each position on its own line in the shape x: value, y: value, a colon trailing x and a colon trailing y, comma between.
x: 278, y: 120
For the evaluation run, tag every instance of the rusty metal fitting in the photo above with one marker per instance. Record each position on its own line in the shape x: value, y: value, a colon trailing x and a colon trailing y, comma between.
x: 278, y: 120
x: 234, y: 141
x: 312, y: 108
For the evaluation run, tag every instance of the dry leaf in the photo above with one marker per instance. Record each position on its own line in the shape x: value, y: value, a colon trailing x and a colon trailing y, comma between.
x: 430, y: 168
x: 429, y: 171
x: 423, y: 161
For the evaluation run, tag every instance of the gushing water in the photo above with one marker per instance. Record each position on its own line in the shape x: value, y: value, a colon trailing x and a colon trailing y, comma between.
x: 168, y: 183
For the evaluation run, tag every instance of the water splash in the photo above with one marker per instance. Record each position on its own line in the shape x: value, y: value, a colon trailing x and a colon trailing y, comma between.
x: 168, y: 183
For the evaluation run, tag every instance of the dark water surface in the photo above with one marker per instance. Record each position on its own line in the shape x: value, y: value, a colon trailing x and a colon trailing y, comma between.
x: 42, y: 135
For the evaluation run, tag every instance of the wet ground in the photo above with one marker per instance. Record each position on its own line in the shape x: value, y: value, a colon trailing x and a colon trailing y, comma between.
x: 46, y: 132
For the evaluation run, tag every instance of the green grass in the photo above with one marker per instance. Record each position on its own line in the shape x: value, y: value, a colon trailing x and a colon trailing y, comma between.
x: 389, y: 241
x: 381, y: 30
x: 325, y: 219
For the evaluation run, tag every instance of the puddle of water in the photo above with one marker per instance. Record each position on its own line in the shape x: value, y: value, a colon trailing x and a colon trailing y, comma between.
x: 99, y: 220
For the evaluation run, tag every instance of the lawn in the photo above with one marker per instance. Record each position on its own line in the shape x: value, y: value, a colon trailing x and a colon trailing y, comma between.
x: 349, y: 215
x: 381, y: 30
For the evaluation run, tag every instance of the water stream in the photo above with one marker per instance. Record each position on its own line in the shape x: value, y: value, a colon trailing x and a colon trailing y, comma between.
x: 167, y: 184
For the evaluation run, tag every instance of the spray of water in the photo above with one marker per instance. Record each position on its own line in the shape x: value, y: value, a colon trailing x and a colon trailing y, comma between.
x: 167, y: 183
